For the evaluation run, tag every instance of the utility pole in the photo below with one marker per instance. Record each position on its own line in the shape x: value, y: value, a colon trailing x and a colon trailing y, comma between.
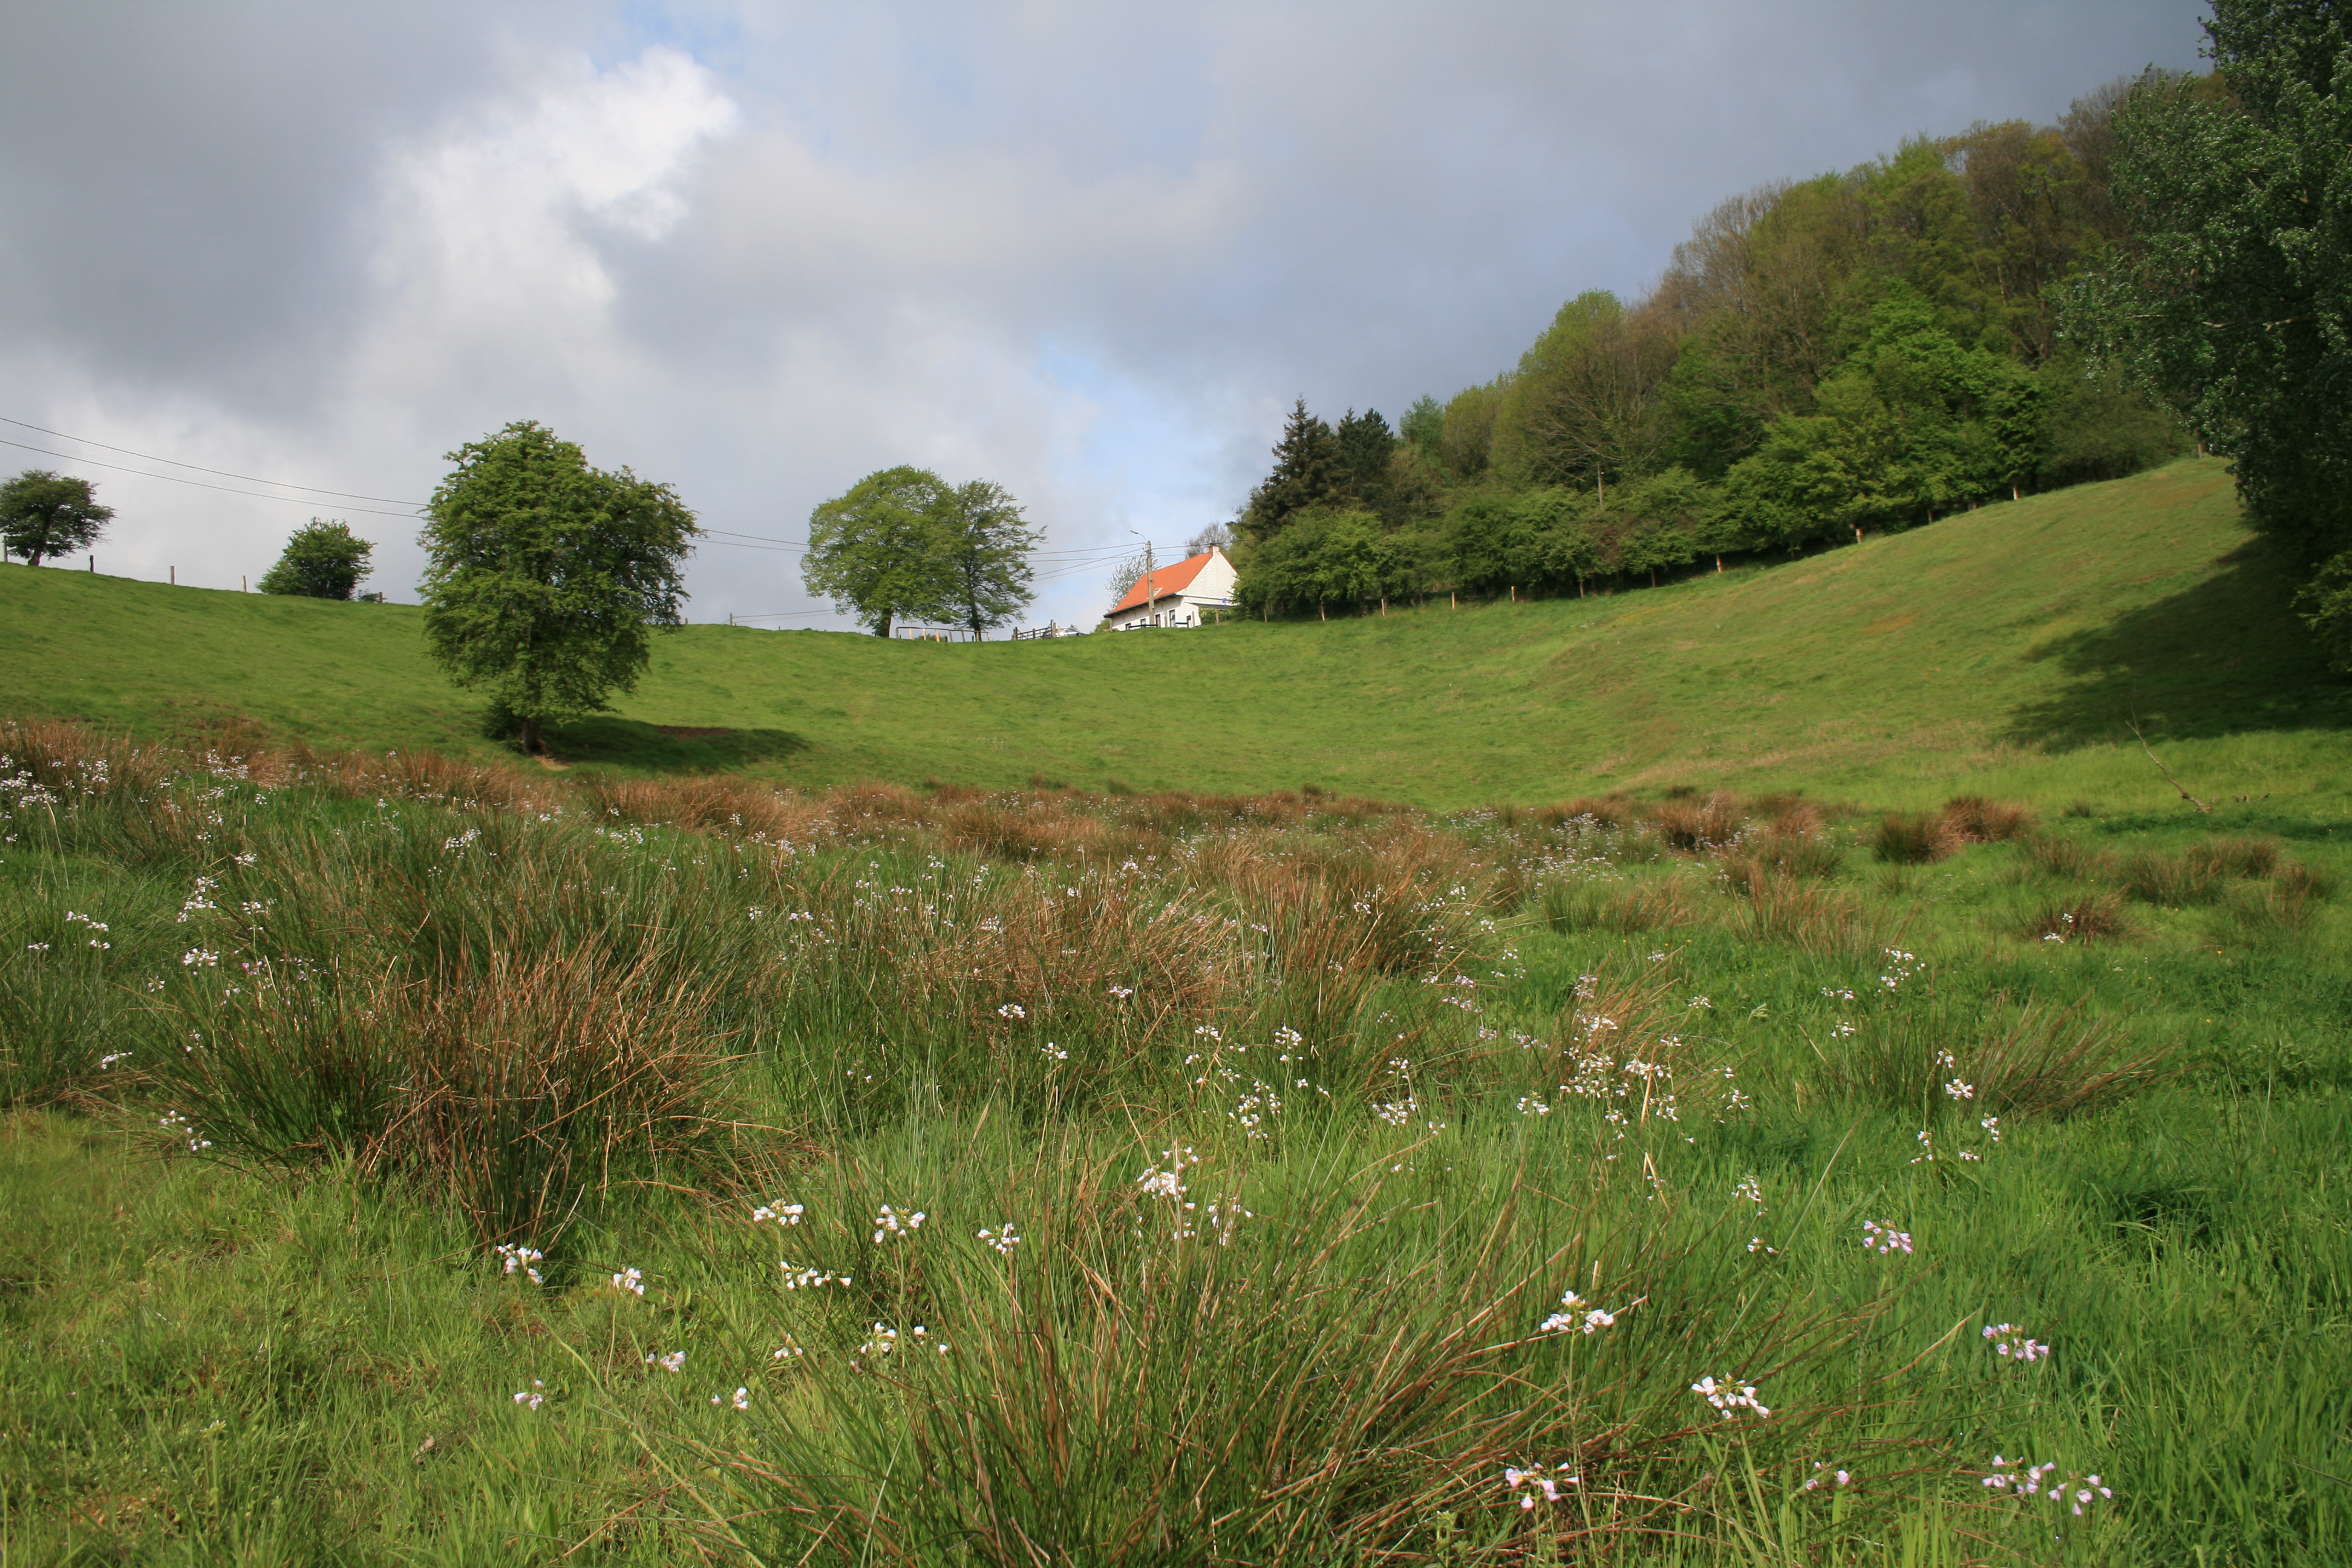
x: 1150, y: 583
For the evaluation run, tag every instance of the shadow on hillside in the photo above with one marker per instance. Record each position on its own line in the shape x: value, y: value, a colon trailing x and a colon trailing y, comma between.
x: 669, y: 748
x: 2227, y: 657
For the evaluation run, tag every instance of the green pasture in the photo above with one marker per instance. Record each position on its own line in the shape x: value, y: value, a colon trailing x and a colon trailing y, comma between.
x: 2004, y: 651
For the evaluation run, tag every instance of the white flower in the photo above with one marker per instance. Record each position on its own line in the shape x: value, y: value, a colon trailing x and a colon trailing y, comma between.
x: 783, y: 1214
x: 630, y: 1280
x: 1884, y: 1238
x: 532, y: 1398
x: 1729, y: 1397
x: 1004, y: 1240
x: 674, y: 1361
x: 743, y: 1399
x: 889, y: 1222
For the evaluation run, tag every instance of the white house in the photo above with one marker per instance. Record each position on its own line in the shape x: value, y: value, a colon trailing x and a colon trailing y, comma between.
x: 1184, y: 594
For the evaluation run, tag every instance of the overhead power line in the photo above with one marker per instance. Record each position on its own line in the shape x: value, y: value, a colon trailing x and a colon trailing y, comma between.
x: 199, y: 468
x: 174, y: 478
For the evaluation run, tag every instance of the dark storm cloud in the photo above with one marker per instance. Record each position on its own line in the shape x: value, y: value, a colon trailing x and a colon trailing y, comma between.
x: 1090, y: 251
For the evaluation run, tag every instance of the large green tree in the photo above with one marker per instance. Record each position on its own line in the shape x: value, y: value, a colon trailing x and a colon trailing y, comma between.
x: 985, y: 544
x: 43, y: 514
x: 546, y: 576
x: 878, y: 551
x: 323, y: 559
x: 2233, y: 300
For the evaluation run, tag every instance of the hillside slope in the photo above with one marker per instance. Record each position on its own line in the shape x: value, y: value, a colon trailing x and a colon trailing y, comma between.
x: 2005, y: 649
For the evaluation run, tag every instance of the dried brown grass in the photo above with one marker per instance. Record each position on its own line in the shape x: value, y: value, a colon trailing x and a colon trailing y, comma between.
x: 1700, y: 826
x: 1972, y: 819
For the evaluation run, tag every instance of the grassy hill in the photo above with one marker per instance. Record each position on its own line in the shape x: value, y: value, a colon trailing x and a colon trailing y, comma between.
x: 2005, y: 650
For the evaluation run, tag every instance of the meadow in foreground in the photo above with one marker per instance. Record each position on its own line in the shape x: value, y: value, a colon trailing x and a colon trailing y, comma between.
x: 422, y: 1164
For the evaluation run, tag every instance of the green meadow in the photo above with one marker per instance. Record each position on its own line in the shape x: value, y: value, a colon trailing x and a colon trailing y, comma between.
x: 2007, y: 651
x: 1764, y: 1071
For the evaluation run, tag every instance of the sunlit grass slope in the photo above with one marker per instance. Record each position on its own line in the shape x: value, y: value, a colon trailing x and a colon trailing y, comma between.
x: 2007, y: 651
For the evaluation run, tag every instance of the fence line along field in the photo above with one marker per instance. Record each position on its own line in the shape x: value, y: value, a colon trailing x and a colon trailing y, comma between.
x: 420, y: 1161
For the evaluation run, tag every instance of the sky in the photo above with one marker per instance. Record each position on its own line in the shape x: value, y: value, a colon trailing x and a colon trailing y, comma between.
x: 291, y: 255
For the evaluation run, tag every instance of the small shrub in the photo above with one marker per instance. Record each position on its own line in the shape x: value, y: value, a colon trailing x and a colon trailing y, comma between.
x: 1912, y: 839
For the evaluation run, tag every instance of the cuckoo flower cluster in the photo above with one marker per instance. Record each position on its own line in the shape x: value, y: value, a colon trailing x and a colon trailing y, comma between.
x: 1529, y: 1481
x: 1729, y: 1397
x: 1884, y: 1238
x: 2009, y: 1339
x: 1581, y: 1315
x: 524, y: 1260
x: 1835, y: 1478
x: 2085, y: 1492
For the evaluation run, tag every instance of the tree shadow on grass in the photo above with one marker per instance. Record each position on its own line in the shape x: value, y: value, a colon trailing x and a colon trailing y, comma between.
x: 2227, y: 657
x: 669, y: 748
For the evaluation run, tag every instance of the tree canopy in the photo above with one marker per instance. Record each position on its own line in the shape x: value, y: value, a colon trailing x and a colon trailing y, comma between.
x: 546, y: 576
x: 2233, y: 299
x: 1823, y: 359
x: 43, y: 514
x: 984, y: 546
x: 323, y: 559
x: 902, y: 544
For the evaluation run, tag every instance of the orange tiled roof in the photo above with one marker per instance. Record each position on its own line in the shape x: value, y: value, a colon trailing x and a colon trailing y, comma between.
x: 1164, y: 580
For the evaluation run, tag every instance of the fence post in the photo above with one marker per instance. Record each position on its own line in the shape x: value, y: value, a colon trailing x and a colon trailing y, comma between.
x: 174, y: 570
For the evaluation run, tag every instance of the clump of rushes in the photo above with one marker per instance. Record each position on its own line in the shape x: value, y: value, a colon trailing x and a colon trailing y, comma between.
x: 1912, y: 837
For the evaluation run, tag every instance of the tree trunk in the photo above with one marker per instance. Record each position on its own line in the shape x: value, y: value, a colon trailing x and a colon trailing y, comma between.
x: 1321, y: 614
x: 533, y: 744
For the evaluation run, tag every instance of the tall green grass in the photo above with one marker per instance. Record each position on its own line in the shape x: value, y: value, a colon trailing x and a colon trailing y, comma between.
x: 1306, y: 1118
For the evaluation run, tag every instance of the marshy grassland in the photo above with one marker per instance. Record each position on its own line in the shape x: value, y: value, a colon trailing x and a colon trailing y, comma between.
x: 415, y: 1160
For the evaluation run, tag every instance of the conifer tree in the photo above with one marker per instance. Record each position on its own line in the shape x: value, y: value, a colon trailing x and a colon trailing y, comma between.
x: 1307, y: 472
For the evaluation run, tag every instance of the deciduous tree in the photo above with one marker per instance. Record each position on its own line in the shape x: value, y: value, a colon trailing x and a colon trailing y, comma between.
x: 985, y: 546
x: 2233, y: 301
x: 546, y: 576
x: 323, y: 559
x: 877, y: 551
x: 43, y: 514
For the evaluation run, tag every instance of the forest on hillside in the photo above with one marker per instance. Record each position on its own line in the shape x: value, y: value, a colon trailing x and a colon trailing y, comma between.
x: 1822, y: 359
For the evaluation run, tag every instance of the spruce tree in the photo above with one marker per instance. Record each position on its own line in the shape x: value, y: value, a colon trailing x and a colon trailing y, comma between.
x: 1307, y: 472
